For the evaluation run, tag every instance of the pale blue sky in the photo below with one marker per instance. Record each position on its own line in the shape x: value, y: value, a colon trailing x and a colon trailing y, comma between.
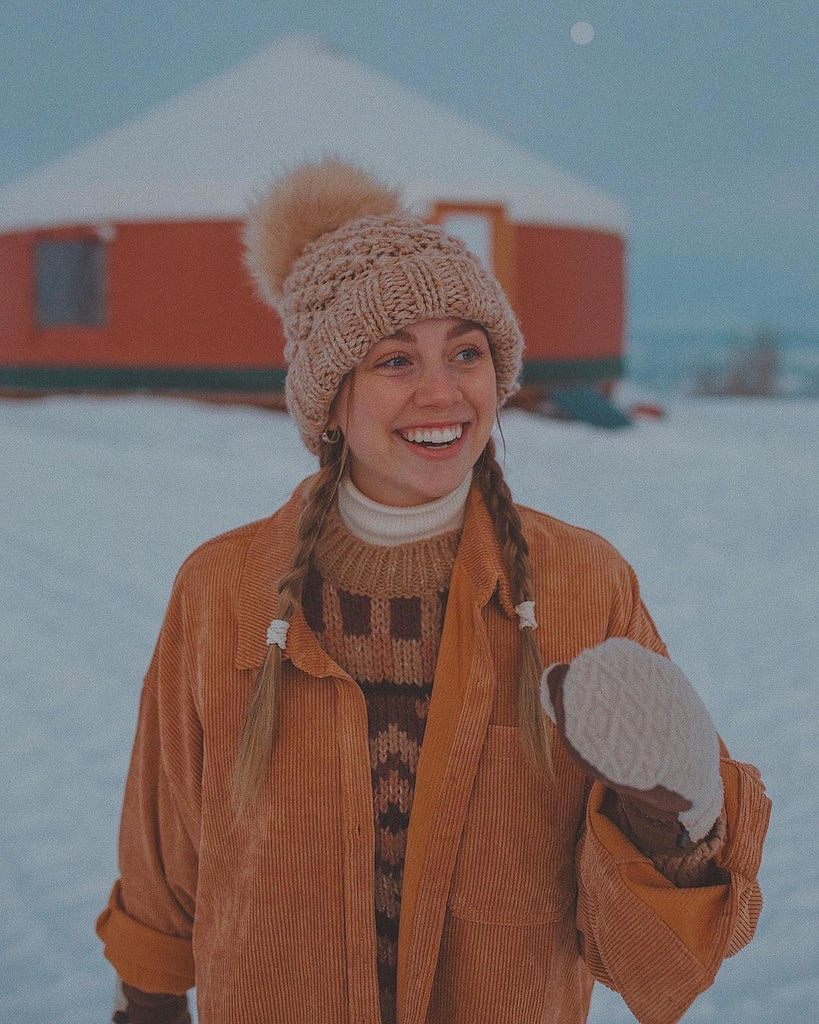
x: 700, y: 116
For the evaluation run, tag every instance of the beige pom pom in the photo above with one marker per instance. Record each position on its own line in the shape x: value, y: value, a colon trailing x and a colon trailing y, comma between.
x: 310, y: 201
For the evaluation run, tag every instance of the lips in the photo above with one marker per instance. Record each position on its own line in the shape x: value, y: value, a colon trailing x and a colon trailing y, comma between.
x: 433, y: 437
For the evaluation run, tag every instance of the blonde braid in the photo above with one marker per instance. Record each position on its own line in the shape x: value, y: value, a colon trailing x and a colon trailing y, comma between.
x: 532, y: 723
x: 261, y: 718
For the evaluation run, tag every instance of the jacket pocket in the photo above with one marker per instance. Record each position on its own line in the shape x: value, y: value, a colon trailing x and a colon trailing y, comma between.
x: 515, y: 863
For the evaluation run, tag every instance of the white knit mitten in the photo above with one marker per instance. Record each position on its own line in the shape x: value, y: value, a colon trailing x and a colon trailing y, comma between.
x: 638, y: 725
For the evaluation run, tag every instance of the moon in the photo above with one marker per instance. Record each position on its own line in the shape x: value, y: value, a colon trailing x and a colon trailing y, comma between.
x: 582, y: 33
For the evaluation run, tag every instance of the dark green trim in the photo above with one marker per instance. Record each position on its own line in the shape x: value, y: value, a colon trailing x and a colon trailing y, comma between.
x: 537, y: 371
x: 140, y: 378
x: 249, y: 380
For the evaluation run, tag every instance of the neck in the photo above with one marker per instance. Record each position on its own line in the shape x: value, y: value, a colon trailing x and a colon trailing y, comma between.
x: 389, y: 526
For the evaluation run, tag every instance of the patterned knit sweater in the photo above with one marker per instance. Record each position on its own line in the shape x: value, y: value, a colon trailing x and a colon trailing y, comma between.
x: 378, y: 612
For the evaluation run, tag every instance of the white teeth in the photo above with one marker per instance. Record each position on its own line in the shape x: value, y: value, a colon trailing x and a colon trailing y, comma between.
x: 433, y: 435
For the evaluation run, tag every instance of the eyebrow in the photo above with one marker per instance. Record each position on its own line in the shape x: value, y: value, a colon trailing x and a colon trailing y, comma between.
x: 462, y: 327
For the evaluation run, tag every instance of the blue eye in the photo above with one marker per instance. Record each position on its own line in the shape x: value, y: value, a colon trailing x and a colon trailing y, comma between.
x: 470, y: 354
x: 394, y: 362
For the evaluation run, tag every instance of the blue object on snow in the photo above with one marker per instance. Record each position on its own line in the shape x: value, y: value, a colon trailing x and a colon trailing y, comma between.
x: 589, y: 405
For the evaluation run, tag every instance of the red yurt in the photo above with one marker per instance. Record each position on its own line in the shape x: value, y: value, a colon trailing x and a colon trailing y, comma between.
x: 120, y: 263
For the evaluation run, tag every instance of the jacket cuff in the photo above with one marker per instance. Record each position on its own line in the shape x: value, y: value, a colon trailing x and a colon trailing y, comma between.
x: 715, y: 920
x: 143, y: 957
x: 629, y: 913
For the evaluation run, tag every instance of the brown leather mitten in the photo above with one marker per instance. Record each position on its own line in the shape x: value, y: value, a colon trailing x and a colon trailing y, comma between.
x: 657, y: 835
x: 133, y: 1006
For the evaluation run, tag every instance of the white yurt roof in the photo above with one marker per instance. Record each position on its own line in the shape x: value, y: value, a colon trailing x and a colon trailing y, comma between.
x: 204, y: 153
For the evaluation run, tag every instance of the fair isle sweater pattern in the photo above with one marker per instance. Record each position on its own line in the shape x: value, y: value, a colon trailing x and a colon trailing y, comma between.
x: 378, y: 612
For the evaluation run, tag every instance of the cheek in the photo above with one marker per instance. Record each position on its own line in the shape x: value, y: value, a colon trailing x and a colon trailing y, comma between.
x: 487, y: 398
x: 360, y: 444
x: 367, y: 424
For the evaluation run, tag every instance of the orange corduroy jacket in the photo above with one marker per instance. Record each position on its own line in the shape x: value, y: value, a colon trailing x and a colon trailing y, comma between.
x: 517, y: 892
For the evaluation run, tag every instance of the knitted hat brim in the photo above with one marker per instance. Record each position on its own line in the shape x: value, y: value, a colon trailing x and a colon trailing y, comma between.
x: 425, y: 286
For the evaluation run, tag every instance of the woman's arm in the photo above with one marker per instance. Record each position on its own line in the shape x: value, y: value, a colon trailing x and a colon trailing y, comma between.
x: 148, y: 923
x: 658, y: 943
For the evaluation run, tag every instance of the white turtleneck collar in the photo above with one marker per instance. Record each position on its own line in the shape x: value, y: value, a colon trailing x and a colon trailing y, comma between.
x: 390, y: 526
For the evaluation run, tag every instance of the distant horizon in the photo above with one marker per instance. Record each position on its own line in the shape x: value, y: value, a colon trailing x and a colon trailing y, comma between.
x: 713, y: 325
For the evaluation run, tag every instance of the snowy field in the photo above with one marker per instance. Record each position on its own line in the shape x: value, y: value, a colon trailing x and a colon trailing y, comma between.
x: 715, y: 506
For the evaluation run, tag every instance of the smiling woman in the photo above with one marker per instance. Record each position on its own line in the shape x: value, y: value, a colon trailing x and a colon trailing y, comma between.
x: 355, y: 794
x: 418, y: 411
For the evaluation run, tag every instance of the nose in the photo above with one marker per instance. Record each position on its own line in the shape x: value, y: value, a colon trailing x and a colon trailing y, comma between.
x: 436, y: 387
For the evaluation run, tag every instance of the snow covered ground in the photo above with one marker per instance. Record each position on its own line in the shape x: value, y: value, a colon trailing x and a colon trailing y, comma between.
x: 716, y: 506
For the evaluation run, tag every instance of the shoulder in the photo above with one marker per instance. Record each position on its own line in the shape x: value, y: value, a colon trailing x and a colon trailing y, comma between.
x: 592, y: 589
x: 553, y: 538
x: 220, y: 552
x: 578, y: 561
x: 222, y: 558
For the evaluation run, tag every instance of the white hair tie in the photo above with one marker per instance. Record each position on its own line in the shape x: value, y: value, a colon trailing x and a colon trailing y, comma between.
x: 526, y: 613
x: 277, y: 633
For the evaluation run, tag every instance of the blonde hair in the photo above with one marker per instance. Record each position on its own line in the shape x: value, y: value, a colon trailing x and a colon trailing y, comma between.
x: 533, y: 726
x: 261, y: 718
x: 259, y: 730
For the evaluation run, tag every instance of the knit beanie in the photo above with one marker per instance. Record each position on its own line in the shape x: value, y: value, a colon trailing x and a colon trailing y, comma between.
x: 344, y: 264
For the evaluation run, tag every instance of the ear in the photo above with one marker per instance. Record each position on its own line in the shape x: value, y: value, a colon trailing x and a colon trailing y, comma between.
x: 331, y: 435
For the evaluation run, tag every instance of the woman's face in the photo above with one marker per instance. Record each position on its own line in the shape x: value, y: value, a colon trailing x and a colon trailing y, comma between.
x: 418, y: 411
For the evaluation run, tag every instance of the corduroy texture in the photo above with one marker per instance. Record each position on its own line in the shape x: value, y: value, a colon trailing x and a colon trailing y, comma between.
x: 284, y: 900
x: 359, y: 277
x: 378, y: 612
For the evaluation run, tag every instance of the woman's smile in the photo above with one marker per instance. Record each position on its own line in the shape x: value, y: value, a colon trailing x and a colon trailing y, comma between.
x: 418, y: 411
x: 433, y: 437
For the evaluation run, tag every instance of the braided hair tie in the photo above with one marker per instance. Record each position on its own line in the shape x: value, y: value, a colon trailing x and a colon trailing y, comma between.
x: 277, y: 633
x: 526, y: 613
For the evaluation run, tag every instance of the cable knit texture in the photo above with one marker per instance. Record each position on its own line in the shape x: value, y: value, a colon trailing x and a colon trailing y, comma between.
x: 633, y: 716
x: 359, y: 277
x: 378, y: 612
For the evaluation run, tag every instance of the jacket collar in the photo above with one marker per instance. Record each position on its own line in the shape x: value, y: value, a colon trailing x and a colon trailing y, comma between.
x: 270, y: 556
x: 480, y: 556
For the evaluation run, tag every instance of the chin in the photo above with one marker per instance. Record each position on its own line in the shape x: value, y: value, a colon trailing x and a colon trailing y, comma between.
x: 431, y: 491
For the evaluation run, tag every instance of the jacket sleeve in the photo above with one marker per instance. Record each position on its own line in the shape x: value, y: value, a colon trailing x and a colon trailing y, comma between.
x: 658, y: 945
x: 148, y: 923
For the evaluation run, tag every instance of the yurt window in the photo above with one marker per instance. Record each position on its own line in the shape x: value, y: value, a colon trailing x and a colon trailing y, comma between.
x: 487, y: 232
x: 70, y: 282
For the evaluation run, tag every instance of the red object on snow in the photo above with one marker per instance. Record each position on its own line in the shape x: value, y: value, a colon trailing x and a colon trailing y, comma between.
x: 647, y: 410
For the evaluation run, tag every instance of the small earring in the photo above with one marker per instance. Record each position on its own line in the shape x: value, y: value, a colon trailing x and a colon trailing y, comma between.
x: 331, y: 435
